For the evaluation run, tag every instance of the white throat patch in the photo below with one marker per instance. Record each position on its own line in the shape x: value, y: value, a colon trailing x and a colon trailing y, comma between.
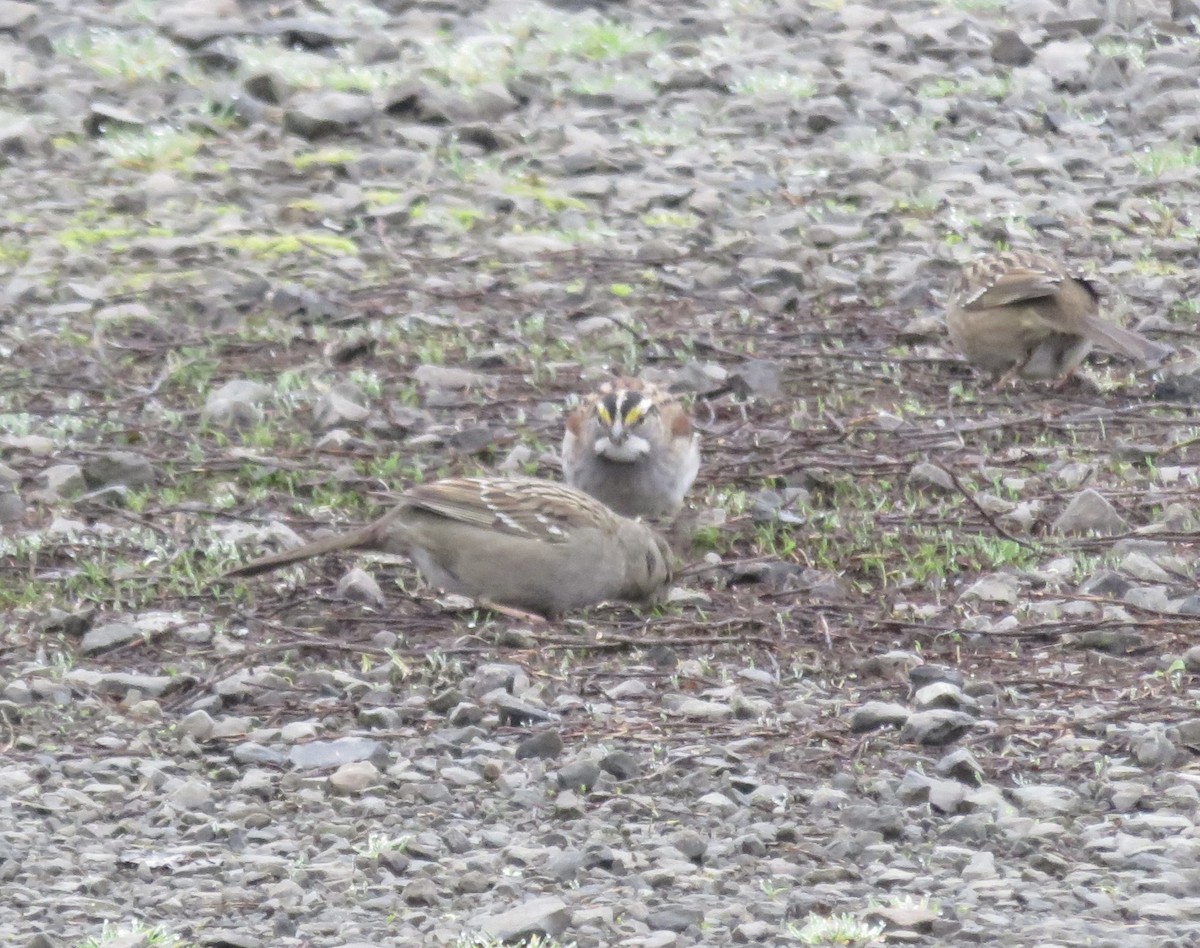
x: 633, y: 448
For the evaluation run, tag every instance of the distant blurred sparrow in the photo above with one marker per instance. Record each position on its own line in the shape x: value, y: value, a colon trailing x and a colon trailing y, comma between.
x: 506, y: 541
x: 631, y: 446
x: 1021, y: 313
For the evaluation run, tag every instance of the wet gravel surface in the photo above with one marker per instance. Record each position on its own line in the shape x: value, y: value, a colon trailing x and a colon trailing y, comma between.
x: 929, y: 676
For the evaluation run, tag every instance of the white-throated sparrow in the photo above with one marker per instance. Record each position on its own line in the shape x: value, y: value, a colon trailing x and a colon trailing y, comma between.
x: 519, y: 542
x: 631, y: 446
x: 1021, y: 313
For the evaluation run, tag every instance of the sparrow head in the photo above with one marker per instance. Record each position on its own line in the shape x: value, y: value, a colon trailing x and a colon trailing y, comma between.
x: 624, y: 418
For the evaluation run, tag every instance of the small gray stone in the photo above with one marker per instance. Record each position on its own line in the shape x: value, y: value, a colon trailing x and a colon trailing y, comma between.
x: 1153, y: 749
x: 691, y: 844
x: 564, y: 866
x: 621, y: 765
x: 746, y: 708
x: 445, y: 701
x: 191, y: 794
x: 1107, y: 583
x: 756, y: 377
x: 996, y: 587
x: 580, y: 775
x: 235, y: 404
x: 321, y: 754
x: 936, y: 727
x: 1144, y: 568
x: 360, y: 586
x: 1114, y: 641
x: 460, y: 776
x: 321, y: 114
x: 913, y: 788
x: 696, y: 708
x: 228, y: 938
x: 753, y: 933
x: 343, y: 405
x: 355, y: 777
x: 674, y: 918
x: 876, y: 714
x: 1089, y: 512
x: 119, y: 467
x: 14, y: 15
x: 942, y: 694
x: 197, y: 725
x: 929, y: 673
x: 18, y: 692
x: 1045, y: 801
x: 960, y: 765
x: 474, y: 882
x: 513, y: 712
x: 903, y: 918
x: 110, y: 636
x: 420, y: 891
x: 546, y: 917
x: 926, y: 475
x: 380, y: 719
x: 898, y: 662
x: 448, y: 377
x: 123, y: 683
x: 250, y: 752
x: 946, y: 796
x: 1187, y: 733
x: 465, y: 713
x: 1008, y: 49
x: 547, y: 744
x: 12, y: 507
x: 62, y: 481
x: 268, y: 86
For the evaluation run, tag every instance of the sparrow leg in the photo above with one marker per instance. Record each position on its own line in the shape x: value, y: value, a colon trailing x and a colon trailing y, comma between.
x: 1013, y: 373
x: 531, y: 617
x: 1065, y: 379
x: 1002, y: 382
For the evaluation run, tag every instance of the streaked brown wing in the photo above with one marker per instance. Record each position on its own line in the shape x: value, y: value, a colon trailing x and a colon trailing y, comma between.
x: 540, y: 510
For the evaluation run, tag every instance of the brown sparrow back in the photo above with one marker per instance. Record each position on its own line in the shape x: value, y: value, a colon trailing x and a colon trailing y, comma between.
x: 1021, y: 313
x: 520, y: 542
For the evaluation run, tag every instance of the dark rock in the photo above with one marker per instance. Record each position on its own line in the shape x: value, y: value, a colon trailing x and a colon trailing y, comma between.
x: 621, y: 765
x: 119, y: 467
x: 928, y: 673
x: 316, y: 115
x: 580, y: 775
x: 1008, y: 49
x: 674, y: 918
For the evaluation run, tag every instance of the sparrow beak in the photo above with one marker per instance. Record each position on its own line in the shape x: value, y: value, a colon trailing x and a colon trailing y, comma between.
x: 616, y: 434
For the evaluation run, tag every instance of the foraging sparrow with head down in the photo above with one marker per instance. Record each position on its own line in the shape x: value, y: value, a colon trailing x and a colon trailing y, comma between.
x: 1021, y: 313
x: 518, y: 542
x: 631, y: 446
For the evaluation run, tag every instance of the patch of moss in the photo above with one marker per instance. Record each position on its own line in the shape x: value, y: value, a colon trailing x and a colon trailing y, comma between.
x: 552, y: 201
x: 324, y: 157
x: 274, y: 246
x: 80, y: 238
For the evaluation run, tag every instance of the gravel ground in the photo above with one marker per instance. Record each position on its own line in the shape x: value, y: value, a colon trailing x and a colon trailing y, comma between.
x: 929, y: 676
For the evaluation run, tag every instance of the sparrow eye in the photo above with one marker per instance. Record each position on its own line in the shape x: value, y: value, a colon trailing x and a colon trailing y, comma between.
x: 603, y: 414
